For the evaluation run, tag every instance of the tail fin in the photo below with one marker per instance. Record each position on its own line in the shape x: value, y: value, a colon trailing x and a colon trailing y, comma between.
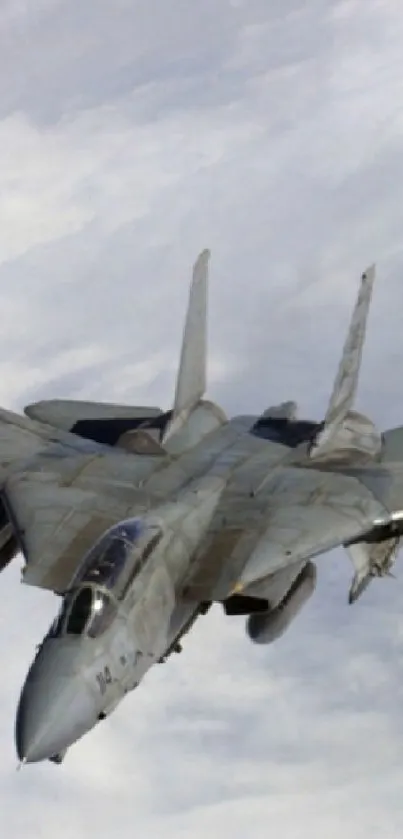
x: 345, y: 385
x: 191, y: 379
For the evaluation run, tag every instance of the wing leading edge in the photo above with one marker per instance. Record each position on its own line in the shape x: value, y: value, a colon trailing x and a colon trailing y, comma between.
x: 56, y: 517
x: 301, y: 513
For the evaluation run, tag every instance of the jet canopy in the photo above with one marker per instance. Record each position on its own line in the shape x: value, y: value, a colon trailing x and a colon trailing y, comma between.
x: 116, y: 559
x: 85, y: 611
x: 103, y: 579
x: 91, y: 612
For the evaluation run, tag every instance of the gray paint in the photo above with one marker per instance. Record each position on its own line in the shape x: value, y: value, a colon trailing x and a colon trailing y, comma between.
x: 237, y: 515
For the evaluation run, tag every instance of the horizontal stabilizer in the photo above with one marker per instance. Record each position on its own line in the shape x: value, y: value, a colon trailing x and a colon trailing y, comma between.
x: 66, y: 413
x: 371, y: 559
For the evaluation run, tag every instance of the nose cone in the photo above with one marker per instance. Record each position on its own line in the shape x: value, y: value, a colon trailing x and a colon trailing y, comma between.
x: 55, y: 708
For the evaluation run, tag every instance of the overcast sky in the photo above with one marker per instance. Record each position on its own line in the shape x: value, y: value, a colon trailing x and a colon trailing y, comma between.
x: 133, y: 133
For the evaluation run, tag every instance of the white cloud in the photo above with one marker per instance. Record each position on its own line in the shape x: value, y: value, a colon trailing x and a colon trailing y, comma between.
x: 131, y: 137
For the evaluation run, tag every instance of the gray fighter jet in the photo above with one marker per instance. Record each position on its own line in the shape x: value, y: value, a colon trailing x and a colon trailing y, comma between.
x: 140, y: 519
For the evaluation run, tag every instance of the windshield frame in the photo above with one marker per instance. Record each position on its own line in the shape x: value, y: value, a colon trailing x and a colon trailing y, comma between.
x: 104, y: 618
x: 118, y: 557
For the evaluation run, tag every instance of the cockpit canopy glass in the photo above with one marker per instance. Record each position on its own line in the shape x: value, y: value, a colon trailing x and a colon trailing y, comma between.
x: 119, y: 555
x: 86, y: 611
x: 104, y: 577
x: 80, y: 612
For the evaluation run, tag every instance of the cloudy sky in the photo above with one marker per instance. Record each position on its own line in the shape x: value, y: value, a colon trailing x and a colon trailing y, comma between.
x: 133, y: 133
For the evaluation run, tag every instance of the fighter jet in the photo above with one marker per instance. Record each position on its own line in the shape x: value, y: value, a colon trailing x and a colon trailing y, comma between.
x: 139, y: 519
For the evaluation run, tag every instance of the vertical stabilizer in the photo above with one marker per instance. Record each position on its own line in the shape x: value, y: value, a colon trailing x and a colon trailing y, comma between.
x: 191, y: 379
x: 345, y: 385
